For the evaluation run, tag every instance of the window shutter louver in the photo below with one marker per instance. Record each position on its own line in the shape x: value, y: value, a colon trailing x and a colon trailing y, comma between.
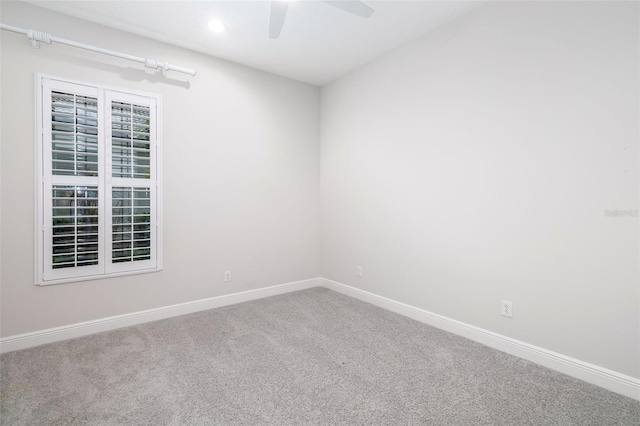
x: 131, y: 224
x: 75, y: 226
x: 74, y: 134
x: 130, y: 138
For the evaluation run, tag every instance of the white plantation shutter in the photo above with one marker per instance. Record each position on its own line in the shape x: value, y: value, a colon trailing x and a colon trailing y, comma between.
x: 132, y: 193
x: 74, y: 226
x: 71, y: 203
x: 74, y: 134
x: 98, y: 191
x: 132, y: 224
x: 130, y: 139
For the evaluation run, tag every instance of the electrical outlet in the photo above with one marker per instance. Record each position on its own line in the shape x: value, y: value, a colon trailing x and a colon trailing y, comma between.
x: 506, y: 308
x: 227, y: 276
x: 358, y: 271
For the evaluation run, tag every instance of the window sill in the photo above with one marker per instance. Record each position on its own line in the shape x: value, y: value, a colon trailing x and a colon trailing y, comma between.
x: 96, y: 277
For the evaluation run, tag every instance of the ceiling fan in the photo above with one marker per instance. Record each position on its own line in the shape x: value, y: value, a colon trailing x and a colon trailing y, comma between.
x: 279, y: 11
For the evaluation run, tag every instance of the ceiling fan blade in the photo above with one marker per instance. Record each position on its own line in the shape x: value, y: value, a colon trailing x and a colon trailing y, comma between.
x: 276, y: 17
x: 352, y: 6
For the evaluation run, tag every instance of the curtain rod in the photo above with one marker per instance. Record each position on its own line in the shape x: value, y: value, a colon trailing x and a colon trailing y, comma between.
x: 42, y: 37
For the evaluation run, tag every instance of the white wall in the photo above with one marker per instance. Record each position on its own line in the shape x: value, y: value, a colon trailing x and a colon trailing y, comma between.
x: 476, y: 164
x: 241, y: 174
x: 472, y: 165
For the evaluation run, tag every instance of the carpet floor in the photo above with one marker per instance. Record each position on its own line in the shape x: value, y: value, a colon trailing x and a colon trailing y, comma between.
x: 313, y: 357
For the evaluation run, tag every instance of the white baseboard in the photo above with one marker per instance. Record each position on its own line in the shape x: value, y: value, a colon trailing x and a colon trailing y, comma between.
x: 608, y: 379
x: 27, y: 340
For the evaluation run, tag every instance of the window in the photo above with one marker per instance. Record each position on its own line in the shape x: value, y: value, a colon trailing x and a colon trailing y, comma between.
x: 99, y: 182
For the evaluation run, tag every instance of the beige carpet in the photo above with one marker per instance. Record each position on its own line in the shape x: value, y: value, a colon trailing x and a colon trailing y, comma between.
x: 310, y: 357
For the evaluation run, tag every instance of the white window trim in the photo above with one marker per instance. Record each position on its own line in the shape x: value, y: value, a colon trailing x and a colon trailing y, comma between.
x: 40, y: 200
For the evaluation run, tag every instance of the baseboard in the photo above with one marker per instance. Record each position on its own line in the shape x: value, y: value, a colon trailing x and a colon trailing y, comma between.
x: 27, y: 340
x: 608, y: 379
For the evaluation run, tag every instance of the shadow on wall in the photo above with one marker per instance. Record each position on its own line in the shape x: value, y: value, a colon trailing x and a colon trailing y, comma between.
x: 133, y: 74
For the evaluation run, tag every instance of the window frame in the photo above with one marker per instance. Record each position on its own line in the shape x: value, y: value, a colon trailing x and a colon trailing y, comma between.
x: 105, y: 182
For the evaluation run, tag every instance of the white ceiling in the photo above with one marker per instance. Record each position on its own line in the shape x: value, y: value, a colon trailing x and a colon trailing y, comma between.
x: 318, y: 43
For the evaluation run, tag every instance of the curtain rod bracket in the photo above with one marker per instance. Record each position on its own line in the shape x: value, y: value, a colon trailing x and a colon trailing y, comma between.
x: 37, y: 37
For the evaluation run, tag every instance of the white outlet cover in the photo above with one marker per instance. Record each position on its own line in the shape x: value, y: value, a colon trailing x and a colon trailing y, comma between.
x: 506, y: 308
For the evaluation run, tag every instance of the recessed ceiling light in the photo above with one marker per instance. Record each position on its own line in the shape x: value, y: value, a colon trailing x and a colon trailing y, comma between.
x: 217, y: 26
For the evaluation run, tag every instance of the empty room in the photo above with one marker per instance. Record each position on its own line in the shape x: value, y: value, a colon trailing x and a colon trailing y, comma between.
x: 319, y: 212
